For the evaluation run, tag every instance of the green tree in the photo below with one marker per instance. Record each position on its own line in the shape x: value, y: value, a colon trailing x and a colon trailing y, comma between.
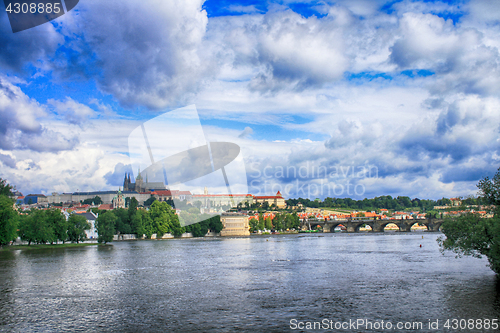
x: 105, y: 226
x: 161, y: 218
x: 77, y: 224
x: 278, y: 221
x: 177, y: 229
x: 26, y: 231
x: 489, y: 189
x: 147, y: 223
x: 95, y: 200
x: 262, y: 223
x: 292, y: 221
x: 5, y: 188
x: 254, y: 224
x: 137, y: 224
x: 215, y: 224
x: 432, y: 214
x: 36, y: 228
x: 208, y: 222
x: 165, y: 220
x: 150, y: 201
x: 475, y: 236
x: 8, y: 220
x: 268, y: 223
x: 122, y: 225
x: 56, y: 219
x: 132, y: 207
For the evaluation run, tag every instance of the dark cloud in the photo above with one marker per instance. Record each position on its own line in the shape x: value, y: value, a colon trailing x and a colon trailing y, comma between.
x: 30, y: 46
x: 116, y: 177
x: 425, y: 145
x: 7, y: 160
x: 466, y: 174
x: 454, y: 134
x: 144, y: 53
x: 447, y: 120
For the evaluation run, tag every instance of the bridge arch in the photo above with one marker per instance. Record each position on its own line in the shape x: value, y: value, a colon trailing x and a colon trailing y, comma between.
x: 391, y: 222
x: 417, y: 222
x: 335, y: 225
x: 361, y: 223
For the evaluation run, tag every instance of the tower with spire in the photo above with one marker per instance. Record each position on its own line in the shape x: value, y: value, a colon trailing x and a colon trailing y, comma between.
x: 138, y: 181
x: 126, y: 183
x: 140, y: 184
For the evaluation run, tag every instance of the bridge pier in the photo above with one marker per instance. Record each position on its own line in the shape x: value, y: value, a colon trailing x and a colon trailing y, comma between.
x: 351, y: 228
x: 404, y: 228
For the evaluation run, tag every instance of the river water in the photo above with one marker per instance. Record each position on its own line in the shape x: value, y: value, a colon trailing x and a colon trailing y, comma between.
x: 254, y: 284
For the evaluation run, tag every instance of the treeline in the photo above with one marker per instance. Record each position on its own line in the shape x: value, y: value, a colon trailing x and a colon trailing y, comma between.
x: 37, y: 226
x: 281, y: 221
x: 160, y: 219
x: 200, y: 229
x: 49, y: 226
x: 387, y: 202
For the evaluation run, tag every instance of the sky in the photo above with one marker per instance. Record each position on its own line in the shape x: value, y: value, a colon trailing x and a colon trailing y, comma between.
x: 324, y: 98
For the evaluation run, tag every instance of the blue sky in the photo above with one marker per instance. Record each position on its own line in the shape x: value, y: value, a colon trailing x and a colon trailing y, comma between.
x: 409, y: 88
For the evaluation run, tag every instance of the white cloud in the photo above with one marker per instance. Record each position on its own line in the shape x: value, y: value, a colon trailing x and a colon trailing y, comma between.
x: 144, y: 53
x: 246, y: 132
x: 74, y: 112
x: 19, y: 122
x: 459, y: 56
x: 272, y: 69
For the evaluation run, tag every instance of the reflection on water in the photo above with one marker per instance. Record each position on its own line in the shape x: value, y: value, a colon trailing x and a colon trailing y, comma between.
x: 251, y: 284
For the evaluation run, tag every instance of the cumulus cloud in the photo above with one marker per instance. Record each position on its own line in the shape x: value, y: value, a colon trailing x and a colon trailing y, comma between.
x: 19, y: 124
x: 485, y: 11
x: 346, y: 83
x: 145, y: 53
x: 299, y: 51
x: 246, y: 132
x: 115, y: 177
x: 34, y: 46
x: 73, y: 112
x: 449, y: 134
x: 7, y: 160
x: 462, y: 60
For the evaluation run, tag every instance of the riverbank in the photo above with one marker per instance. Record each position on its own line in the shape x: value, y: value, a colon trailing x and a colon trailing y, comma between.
x: 43, y: 246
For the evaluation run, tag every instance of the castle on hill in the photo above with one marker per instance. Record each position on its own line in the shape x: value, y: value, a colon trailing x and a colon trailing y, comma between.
x: 140, y: 185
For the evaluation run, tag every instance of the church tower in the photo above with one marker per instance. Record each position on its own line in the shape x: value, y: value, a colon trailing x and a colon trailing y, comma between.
x: 126, y: 182
x: 138, y: 182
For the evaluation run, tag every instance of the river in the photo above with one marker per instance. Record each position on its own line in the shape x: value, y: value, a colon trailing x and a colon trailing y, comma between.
x: 254, y: 284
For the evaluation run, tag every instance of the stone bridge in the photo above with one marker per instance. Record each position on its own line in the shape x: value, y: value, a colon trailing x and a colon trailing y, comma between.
x: 353, y: 225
